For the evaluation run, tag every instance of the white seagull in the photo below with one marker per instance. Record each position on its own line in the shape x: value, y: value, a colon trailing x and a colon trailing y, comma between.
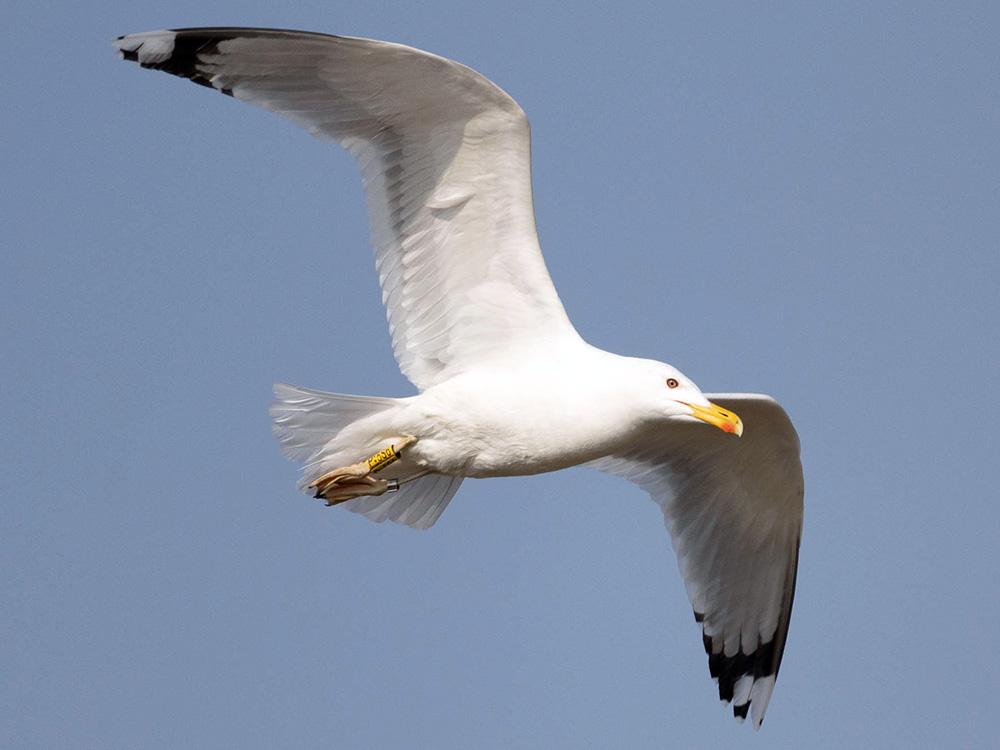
x: 506, y: 385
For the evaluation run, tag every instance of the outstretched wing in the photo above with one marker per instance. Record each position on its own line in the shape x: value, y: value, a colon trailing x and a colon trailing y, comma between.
x: 444, y: 156
x: 733, y: 508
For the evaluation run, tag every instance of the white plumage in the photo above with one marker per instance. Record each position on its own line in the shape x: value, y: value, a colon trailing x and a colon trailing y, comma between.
x: 506, y: 385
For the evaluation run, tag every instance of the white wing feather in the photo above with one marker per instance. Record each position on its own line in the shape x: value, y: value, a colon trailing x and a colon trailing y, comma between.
x: 444, y: 156
x: 733, y: 508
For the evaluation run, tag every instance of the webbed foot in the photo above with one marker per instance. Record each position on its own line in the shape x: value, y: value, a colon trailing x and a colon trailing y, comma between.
x: 349, y: 482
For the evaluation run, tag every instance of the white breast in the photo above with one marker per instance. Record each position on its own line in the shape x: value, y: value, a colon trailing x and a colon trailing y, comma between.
x: 540, y: 416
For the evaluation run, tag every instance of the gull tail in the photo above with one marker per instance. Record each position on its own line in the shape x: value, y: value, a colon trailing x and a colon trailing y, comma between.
x: 327, y: 430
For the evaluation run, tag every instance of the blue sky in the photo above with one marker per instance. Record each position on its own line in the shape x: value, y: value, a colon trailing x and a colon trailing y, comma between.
x: 791, y: 200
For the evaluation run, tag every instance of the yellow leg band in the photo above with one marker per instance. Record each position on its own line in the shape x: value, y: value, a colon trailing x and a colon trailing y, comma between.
x: 382, y: 459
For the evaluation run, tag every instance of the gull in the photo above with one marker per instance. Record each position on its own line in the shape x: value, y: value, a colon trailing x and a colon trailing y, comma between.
x: 506, y: 386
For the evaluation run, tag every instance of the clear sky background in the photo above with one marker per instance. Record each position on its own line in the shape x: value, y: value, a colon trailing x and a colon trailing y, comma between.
x: 790, y: 199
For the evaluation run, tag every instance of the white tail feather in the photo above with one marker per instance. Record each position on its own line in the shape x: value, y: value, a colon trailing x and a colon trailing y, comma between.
x: 308, y: 424
x: 417, y: 504
x: 305, y: 421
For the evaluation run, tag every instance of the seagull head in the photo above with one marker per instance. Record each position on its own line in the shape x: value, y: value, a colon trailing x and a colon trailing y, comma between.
x: 682, y: 400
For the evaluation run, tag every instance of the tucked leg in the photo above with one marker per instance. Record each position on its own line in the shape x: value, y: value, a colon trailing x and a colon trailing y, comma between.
x: 352, y: 481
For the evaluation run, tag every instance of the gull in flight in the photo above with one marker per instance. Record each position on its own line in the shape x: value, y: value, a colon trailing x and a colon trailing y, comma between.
x: 506, y: 386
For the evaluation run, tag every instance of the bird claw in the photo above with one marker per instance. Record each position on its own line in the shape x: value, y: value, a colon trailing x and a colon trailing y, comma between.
x: 345, y: 475
x: 335, y: 494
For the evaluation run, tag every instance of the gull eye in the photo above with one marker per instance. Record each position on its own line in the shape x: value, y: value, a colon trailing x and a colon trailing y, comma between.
x: 672, y: 383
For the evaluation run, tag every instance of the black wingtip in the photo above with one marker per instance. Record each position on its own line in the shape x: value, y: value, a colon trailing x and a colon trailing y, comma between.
x: 729, y: 670
x: 190, y: 47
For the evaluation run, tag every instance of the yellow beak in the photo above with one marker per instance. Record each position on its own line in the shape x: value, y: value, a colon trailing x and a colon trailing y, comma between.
x: 724, y: 419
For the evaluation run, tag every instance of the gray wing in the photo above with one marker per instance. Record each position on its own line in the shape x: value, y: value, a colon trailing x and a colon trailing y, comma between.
x: 733, y: 508
x: 444, y: 156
